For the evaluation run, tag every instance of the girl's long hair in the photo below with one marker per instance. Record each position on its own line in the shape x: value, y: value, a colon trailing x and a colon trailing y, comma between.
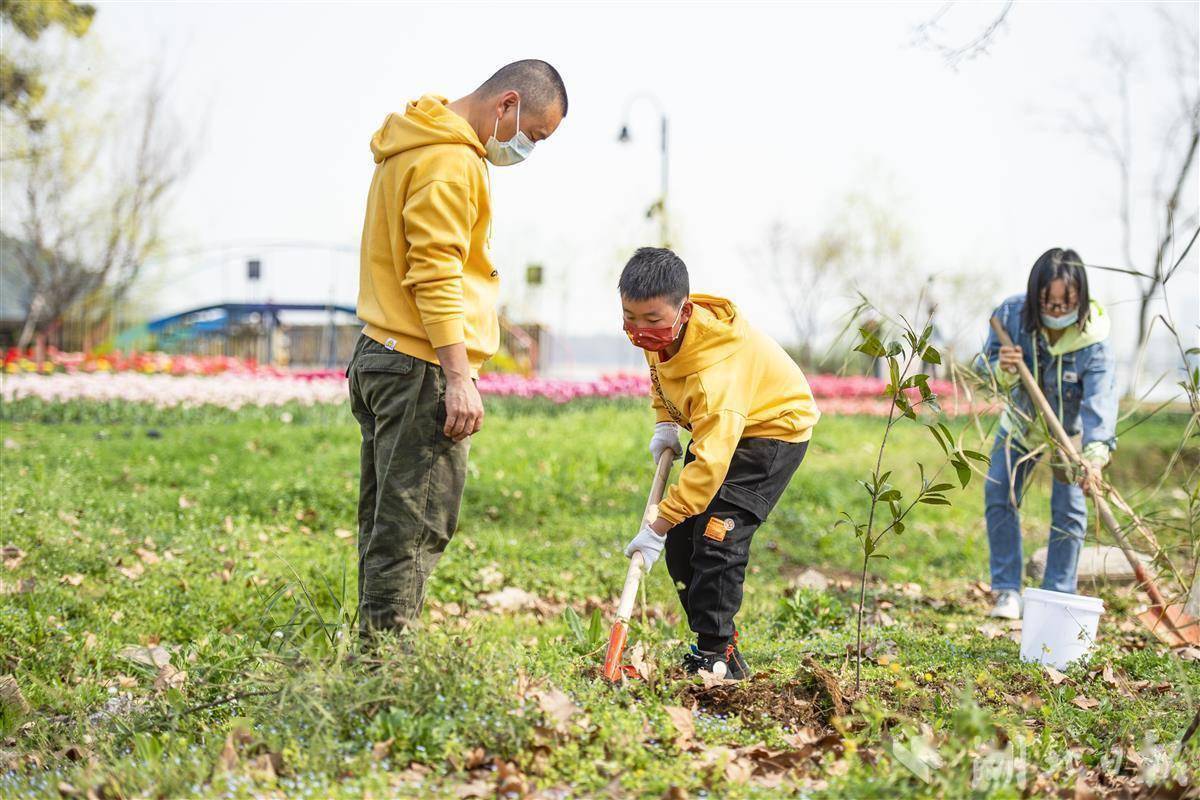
x: 1054, y: 264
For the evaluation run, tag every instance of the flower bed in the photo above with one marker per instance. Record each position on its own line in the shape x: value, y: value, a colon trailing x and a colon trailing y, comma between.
x: 17, y: 362
x: 159, y: 381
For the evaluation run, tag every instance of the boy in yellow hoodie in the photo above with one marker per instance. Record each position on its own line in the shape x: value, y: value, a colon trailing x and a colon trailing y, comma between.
x: 750, y: 413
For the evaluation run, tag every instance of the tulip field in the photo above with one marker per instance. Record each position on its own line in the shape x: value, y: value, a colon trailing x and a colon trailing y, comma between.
x: 162, y: 381
x: 177, y: 611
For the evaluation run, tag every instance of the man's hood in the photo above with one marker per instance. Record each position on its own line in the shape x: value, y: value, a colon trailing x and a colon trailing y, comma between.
x: 424, y: 122
x: 1098, y: 326
x: 715, y: 331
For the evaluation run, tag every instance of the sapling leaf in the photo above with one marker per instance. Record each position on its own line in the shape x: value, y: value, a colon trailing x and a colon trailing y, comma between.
x: 934, y: 500
x: 977, y: 456
x: 595, y: 627
x: 575, y: 625
x: 964, y: 471
x: 925, y: 334
x: 889, y: 495
x: 931, y: 355
x: 870, y: 344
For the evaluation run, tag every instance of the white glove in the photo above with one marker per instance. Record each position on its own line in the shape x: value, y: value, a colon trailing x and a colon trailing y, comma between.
x: 666, y: 437
x: 649, y: 542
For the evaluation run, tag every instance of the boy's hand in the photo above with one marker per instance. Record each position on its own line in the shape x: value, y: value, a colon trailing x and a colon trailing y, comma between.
x: 649, y: 542
x: 1010, y: 357
x: 666, y: 437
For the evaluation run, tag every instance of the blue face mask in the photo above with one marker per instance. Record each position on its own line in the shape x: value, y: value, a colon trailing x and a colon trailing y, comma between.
x: 514, y: 151
x: 1058, y: 323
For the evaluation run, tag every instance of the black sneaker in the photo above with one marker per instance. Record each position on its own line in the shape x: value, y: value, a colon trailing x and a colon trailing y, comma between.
x: 728, y: 664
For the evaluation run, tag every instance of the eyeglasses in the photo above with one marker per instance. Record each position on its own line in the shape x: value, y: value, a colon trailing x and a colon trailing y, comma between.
x: 1059, y: 307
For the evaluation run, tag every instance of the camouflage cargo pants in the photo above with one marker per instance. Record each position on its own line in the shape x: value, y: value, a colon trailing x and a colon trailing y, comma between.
x: 411, y: 483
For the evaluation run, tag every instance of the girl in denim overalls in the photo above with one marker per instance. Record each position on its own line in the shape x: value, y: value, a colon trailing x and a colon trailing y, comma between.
x: 1062, y: 336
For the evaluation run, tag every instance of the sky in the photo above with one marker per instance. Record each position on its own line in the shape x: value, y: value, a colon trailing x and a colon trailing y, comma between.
x: 777, y: 113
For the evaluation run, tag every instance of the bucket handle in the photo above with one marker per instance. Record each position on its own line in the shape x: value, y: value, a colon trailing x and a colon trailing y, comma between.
x: 1082, y: 628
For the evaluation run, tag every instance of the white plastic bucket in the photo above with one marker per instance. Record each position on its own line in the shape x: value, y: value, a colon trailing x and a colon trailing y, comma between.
x: 1058, y: 627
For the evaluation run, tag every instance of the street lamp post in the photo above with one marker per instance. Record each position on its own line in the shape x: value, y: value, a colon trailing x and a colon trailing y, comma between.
x: 659, y: 207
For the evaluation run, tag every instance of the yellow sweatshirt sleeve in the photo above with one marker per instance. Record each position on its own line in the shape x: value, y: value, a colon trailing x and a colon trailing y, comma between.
x: 660, y: 411
x: 714, y: 438
x: 437, y: 226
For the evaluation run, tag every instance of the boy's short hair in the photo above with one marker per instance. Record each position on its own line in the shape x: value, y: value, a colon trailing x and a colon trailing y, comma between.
x: 654, y: 272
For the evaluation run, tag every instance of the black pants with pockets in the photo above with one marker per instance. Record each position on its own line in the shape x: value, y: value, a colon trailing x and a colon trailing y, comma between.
x: 707, y: 554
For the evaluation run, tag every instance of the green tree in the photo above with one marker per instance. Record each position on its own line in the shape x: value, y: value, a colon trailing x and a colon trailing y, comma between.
x: 21, y: 84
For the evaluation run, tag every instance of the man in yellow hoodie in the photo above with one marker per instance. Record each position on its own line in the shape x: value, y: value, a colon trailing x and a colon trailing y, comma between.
x: 427, y: 293
x: 750, y: 413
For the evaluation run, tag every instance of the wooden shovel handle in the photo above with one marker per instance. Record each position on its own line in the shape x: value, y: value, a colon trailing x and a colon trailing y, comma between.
x: 633, y: 575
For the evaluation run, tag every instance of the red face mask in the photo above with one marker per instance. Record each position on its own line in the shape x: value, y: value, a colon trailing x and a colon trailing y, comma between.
x: 656, y: 339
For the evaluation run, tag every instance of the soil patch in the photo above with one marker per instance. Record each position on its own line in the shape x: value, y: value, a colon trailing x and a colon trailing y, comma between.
x: 811, y: 698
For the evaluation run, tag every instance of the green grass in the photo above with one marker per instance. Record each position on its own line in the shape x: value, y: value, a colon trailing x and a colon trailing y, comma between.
x: 257, y: 593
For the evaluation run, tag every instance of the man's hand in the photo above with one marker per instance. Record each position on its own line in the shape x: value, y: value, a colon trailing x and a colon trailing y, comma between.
x: 666, y: 437
x: 1010, y: 357
x: 464, y: 406
x: 649, y: 543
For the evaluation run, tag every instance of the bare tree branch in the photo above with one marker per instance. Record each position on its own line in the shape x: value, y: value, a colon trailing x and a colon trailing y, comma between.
x: 928, y: 35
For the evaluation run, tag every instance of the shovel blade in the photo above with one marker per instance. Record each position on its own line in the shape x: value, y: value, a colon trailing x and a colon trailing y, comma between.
x: 616, y: 648
x: 1172, y: 625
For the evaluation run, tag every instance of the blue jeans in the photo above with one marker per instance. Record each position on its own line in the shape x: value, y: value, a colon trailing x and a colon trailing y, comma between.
x: 1006, y: 481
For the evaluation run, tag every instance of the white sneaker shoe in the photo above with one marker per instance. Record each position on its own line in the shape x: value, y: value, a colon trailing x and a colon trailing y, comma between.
x: 1008, y: 605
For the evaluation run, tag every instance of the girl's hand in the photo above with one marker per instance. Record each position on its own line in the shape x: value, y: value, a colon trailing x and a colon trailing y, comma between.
x: 1010, y: 357
x: 1090, y: 480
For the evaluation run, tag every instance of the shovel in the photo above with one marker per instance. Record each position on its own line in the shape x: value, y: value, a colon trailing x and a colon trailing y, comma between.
x: 1168, y: 623
x: 633, y: 576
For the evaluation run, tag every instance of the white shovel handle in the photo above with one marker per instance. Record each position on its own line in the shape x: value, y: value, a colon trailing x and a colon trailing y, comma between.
x: 634, y: 574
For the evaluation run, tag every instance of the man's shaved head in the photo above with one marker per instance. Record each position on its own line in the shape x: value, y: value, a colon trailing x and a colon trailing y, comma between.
x: 539, y: 85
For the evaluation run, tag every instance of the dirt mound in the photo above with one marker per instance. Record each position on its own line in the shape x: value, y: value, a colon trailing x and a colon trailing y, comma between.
x: 811, y: 698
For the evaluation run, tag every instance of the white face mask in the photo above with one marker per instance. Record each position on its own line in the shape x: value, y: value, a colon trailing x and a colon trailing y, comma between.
x: 1058, y: 323
x: 514, y: 151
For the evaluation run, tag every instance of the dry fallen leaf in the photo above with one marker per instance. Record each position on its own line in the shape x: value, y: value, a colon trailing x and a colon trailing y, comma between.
x: 342, y: 533
x: 169, y: 678
x: 381, y: 750
x: 479, y: 787
x: 558, y: 707
x: 1085, y: 703
x: 147, y: 556
x: 637, y: 659
x: 490, y: 577
x: 685, y: 725
x: 22, y: 586
x: 11, y: 556
x: 11, y: 697
x: 710, y: 680
x: 155, y: 656
x: 510, y: 598
x: 74, y: 579
x: 991, y: 630
x: 1055, y: 676
x: 510, y: 782
x: 133, y: 571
